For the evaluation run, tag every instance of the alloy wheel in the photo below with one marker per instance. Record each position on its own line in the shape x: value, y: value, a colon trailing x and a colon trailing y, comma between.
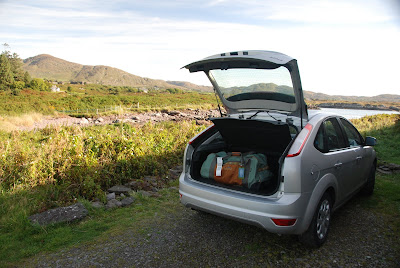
x: 324, y: 216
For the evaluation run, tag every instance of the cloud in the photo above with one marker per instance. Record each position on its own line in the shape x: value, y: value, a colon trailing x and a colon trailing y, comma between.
x: 352, y: 58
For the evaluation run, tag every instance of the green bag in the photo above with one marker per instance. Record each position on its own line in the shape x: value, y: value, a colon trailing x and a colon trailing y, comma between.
x: 248, y: 170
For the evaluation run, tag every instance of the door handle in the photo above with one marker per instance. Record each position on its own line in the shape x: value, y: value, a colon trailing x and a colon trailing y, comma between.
x: 338, y: 165
x: 358, y: 158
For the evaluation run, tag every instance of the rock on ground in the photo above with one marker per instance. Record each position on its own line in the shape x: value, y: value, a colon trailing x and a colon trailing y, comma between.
x: 63, y: 214
x: 119, y: 189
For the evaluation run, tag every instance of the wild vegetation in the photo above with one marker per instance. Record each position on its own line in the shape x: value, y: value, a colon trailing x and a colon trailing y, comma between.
x: 92, y: 98
x: 55, y: 166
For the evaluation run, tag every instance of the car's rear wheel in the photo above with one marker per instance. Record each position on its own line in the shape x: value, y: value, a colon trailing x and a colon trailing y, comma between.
x: 318, y: 230
x: 369, y: 186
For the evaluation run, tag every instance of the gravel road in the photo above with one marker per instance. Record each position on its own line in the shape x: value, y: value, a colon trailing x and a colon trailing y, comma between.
x: 185, y: 238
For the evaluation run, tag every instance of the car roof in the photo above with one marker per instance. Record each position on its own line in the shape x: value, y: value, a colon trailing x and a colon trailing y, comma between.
x: 318, y: 115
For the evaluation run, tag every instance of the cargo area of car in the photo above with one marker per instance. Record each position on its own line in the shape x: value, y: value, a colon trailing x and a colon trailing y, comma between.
x: 270, y: 138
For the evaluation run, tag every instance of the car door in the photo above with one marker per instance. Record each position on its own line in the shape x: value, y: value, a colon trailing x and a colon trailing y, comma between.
x: 355, y: 145
x: 335, y: 158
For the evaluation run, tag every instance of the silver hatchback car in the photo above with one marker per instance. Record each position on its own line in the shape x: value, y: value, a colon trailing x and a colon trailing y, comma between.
x: 315, y: 161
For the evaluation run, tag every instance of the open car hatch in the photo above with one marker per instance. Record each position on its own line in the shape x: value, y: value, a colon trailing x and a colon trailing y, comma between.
x: 255, y: 80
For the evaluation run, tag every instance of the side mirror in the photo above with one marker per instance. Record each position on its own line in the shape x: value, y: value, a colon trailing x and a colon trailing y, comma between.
x: 370, y: 141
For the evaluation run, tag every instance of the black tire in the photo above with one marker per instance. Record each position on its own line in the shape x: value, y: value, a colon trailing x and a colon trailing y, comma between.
x: 369, y: 186
x: 318, y: 230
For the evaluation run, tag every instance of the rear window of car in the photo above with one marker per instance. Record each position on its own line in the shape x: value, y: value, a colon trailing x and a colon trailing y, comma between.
x: 249, y: 84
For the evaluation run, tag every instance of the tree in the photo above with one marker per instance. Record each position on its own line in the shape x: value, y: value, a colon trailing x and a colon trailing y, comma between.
x: 27, y: 78
x: 16, y: 67
x: 11, y: 69
x: 39, y: 84
x: 6, y: 75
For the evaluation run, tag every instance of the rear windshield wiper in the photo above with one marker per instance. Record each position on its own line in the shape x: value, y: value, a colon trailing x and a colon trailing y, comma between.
x: 259, y: 111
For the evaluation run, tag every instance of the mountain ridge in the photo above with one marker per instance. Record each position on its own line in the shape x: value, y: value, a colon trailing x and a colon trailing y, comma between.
x: 52, y: 68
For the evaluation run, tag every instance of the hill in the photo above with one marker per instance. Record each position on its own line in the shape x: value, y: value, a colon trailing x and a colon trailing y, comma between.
x: 191, y: 86
x: 52, y: 68
x: 379, y: 98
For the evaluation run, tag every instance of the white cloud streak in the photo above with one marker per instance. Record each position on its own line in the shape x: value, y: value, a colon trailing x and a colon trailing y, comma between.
x: 350, y: 60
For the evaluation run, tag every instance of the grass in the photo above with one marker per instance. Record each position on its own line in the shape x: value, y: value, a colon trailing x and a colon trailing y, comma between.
x: 386, y: 128
x: 30, y: 240
x: 10, y: 123
x: 57, y: 166
x: 88, y: 101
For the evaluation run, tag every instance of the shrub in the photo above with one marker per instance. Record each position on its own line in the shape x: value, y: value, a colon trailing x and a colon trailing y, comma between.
x: 18, y: 85
x: 39, y: 84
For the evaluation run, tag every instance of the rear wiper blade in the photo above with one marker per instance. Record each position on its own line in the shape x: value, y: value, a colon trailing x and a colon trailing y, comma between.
x: 251, y: 116
x: 265, y: 111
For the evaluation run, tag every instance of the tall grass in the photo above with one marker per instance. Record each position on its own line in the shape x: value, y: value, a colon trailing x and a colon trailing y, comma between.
x: 81, y: 162
x: 10, y: 123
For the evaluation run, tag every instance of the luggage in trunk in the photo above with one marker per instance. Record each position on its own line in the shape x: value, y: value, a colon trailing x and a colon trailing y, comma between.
x: 255, y: 138
x: 234, y: 168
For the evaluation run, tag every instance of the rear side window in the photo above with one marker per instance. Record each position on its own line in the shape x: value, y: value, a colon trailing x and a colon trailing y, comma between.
x: 329, y: 137
x: 353, y: 136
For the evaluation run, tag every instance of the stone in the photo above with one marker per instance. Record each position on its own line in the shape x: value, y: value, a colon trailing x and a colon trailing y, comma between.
x: 127, y: 201
x: 119, y: 189
x: 150, y: 179
x: 84, y: 121
x: 150, y: 194
x: 147, y: 194
x: 110, y: 196
x: 133, y: 185
x: 175, y: 172
x: 116, y: 121
x: 100, y: 120
x: 135, y: 118
x: 383, y: 171
x: 393, y: 166
x: 122, y: 195
x: 97, y: 204
x: 202, y: 122
x: 174, y: 113
x: 71, y: 213
x: 113, y: 203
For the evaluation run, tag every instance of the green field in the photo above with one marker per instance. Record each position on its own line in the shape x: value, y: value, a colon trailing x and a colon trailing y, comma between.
x: 93, y: 98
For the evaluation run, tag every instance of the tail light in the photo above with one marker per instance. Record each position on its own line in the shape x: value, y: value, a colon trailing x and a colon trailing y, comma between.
x: 284, y: 222
x: 301, y: 139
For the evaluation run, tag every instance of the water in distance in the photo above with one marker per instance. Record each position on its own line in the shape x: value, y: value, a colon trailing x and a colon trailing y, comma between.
x: 354, y: 114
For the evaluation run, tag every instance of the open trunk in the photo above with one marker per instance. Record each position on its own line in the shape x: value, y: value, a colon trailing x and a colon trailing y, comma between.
x: 270, y: 138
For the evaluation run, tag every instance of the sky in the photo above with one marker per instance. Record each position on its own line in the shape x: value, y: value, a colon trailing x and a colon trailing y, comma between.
x: 343, y: 47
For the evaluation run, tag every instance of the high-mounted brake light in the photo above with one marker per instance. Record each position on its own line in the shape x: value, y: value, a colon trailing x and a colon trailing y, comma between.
x: 301, y: 139
x: 284, y: 222
x: 200, y: 134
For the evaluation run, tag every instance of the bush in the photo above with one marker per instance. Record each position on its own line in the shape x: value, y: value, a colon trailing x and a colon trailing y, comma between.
x: 18, y: 85
x: 39, y: 84
x: 81, y: 162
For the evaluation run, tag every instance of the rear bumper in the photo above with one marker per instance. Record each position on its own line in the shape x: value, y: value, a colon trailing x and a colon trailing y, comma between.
x: 244, y: 207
